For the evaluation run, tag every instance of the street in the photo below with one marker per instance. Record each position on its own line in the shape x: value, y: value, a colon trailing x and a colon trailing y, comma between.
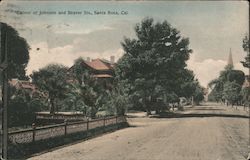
x: 207, y: 132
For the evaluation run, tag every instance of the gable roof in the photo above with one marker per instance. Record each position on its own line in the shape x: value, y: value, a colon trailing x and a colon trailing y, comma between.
x: 98, y: 64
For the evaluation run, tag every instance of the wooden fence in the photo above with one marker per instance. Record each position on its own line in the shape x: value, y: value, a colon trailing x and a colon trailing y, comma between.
x: 60, y: 116
x: 46, y: 132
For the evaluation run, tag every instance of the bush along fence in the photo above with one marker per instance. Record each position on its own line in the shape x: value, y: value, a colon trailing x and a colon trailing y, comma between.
x: 64, y: 129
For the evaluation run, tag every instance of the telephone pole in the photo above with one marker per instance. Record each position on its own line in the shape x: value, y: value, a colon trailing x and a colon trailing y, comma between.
x: 3, y: 70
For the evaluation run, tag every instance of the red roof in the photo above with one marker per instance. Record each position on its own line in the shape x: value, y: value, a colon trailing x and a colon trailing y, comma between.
x: 99, y: 64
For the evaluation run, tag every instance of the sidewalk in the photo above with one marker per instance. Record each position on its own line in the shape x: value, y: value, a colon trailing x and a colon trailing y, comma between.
x: 241, y: 109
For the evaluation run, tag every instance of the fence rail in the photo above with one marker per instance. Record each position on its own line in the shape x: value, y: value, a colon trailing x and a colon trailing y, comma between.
x: 42, y: 133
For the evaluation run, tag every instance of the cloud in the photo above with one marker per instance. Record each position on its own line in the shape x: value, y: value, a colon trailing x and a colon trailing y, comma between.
x: 41, y: 55
x: 209, y: 69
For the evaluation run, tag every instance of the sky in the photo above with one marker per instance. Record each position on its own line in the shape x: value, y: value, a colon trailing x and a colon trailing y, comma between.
x: 213, y: 27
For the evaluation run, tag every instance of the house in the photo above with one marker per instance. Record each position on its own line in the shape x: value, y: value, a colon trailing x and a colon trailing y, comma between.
x: 101, y: 69
x: 21, y: 84
x: 27, y: 86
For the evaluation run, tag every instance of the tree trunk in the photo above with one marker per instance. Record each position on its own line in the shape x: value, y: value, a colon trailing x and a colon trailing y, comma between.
x: 93, y: 112
x: 157, y: 111
x: 148, y: 112
x: 75, y: 105
x: 52, y: 106
x: 147, y: 109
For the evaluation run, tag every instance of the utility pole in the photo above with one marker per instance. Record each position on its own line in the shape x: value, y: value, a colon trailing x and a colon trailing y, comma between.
x: 3, y: 69
x: 1, y: 105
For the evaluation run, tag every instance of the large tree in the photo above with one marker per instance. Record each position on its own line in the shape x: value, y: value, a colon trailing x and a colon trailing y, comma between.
x: 245, y: 46
x: 52, y: 80
x: 226, y: 77
x: 17, y: 52
x: 246, y: 63
x: 198, y: 94
x: 153, y: 63
x: 231, y: 92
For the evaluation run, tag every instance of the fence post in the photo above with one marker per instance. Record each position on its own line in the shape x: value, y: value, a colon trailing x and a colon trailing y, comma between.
x: 65, y: 127
x: 34, y: 132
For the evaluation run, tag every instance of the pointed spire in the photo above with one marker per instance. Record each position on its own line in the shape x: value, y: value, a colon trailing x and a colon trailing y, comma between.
x: 230, y: 59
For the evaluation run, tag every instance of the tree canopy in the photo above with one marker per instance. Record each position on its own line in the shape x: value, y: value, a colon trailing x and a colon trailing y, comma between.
x: 153, y: 64
x: 228, y: 80
x: 17, y: 52
x: 231, y: 92
x: 245, y: 46
x: 52, y: 80
x: 246, y: 91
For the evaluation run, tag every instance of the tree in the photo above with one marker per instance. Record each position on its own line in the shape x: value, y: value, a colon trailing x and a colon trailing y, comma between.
x: 198, y: 94
x: 17, y: 50
x: 227, y: 75
x: 153, y: 63
x: 52, y: 80
x: 217, y: 90
x: 86, y: 92
x: 231, y: 92
x: 119, y: 100
x: 188, y: 84
x: 76, y: 89
x: 94, y: 95
x: 74, y: 100
x: 245, y: 93
x: 245, y: 46
x: 22, y: 107
x: 246, y: 63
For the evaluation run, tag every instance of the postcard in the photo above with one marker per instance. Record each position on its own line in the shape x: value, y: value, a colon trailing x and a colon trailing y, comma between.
x: 123, y: 80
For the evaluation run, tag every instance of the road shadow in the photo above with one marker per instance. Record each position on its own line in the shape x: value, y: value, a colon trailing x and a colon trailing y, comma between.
x: 208, y: 109
x: 135, y: 116
x: 198, y: 115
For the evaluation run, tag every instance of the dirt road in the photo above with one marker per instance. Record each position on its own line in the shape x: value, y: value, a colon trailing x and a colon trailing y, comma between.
x: 209, y: 132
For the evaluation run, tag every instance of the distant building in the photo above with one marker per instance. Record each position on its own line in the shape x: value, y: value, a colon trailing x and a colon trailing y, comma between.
x: 20, y: 84
x: 101, y: 69
x: 27, y: 86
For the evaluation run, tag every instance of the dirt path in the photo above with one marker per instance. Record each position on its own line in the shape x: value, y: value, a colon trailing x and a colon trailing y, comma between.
x: 205, y: 133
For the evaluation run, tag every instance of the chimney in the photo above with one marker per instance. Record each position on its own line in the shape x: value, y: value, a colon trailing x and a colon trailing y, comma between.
x: 88, y: 59
x: 112, y: 59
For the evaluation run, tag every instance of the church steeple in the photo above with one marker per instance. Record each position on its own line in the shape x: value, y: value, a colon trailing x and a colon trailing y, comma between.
x: 230, y: 59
